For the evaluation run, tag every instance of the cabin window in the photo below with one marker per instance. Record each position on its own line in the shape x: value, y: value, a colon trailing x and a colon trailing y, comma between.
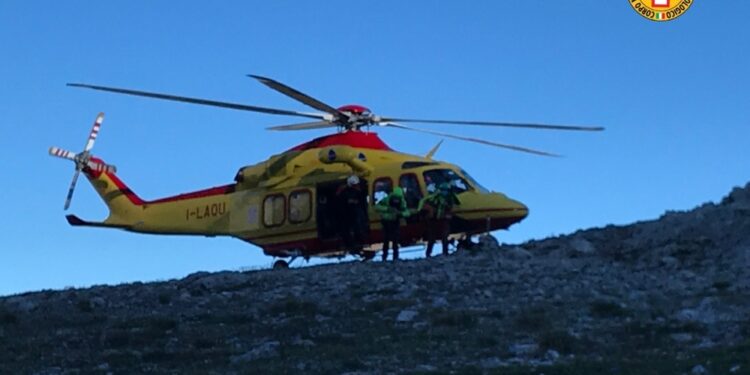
x: 381, y: 188
x: 413, y: 194
x: 476, y: 183
x: 274, y: 207
x: 300, y: 206
x: 435, y: 177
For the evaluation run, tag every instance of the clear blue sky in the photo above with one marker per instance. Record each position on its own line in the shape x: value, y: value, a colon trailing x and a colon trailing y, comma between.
x: 673, y: 96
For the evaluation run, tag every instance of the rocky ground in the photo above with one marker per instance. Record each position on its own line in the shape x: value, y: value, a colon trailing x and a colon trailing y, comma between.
x: 668, y: 296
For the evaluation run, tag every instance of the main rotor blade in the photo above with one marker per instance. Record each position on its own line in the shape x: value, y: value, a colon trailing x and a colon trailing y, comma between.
x: 493, y: 123
x: 303, y: 126
x: 214, y: 103
x: 60, y: 153
x: 94, y: 132
x: 469, y: 139
x: 72, y: 188
x: 299, y: 96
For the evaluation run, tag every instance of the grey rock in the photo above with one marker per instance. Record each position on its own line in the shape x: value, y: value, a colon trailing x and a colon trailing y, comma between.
x: 681, y: 337
x: 582, y: 246
x: 490, y: 363
x: 552, y: 355
x: 523, y: 349
x: 406, y: 316
x: 425, y: 368
x: 669, y: 262
x: 23, y: 304
x: 439, y: 302
x: 698, y: 370
x: 517, y: 252
x: 268, y: 349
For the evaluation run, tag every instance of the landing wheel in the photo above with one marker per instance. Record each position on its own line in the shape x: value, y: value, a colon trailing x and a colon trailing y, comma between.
x: 367, y: 255
x: 280, y: 264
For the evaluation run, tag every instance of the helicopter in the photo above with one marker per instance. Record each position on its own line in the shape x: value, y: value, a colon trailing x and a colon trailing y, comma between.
x: 284, y: 204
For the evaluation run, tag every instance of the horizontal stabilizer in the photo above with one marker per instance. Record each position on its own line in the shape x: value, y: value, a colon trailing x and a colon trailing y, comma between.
x: 78, y: 222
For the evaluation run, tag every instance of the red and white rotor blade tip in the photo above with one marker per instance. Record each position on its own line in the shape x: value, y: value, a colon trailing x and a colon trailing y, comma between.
x: 60, y: 153
x: 94, y: 132
x: 101, y: 167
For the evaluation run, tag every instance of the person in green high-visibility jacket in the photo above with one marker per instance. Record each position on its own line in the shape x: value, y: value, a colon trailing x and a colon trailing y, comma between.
x: 437, y: 210
x: 391, y: 209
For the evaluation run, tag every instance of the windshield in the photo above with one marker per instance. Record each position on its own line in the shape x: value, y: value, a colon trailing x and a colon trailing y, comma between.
x: 435, y: 177
x: 474, y: 182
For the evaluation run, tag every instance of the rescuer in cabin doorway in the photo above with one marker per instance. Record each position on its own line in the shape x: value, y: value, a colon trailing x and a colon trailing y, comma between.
x: 353, y: 221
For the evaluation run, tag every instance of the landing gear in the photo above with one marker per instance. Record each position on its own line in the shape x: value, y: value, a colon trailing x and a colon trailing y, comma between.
x: 280, y: 264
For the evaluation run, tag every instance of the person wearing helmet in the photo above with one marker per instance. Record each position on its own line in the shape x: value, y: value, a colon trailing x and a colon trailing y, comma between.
x: 352, y: 204
x: 391, y: 209
x: 437, y: 210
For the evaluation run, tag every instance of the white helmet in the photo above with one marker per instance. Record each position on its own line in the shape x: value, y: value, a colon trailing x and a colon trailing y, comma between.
x: 352, y: 180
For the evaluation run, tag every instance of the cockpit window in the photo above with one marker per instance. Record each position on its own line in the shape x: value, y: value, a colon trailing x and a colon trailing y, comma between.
x: 433, y: 179
x: 474, y: 182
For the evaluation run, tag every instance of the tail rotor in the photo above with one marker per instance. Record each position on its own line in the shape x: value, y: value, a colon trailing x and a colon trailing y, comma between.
x: 83, y: 159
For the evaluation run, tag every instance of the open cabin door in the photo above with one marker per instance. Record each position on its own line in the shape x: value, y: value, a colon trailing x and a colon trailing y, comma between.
x: 328, y: 209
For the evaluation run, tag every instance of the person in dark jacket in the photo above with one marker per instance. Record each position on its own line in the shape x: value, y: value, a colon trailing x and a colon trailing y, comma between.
x: 352, y: 203
x: 391, y: 209
x: 437, y: 210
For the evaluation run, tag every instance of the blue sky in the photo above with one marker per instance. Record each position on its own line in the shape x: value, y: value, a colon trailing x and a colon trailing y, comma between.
x: 673, y: 96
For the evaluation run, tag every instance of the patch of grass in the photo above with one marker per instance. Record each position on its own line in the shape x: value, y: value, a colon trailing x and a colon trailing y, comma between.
x: 722, y: 285
x: 559, y: 340
x: 454, y: 319
x: 486, y: 341
x: 382, y: 305
x: 84, y: 305
x: 607, y: 309
x: 116, y: 339
x: 240, y: 286
x: 533, y: 319
x: 496, y: 314
x: 147, y: 329
x: 203, y: 343
x: 121, y: 360
x: 165, y: 298
x: 7, y: 317
x: 716, y: 361
x: 158, y: 356
x: 161, y: 324
x: 293, y: 306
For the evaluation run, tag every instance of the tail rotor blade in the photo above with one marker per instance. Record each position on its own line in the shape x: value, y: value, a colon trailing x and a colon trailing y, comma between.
x: 60, y: 153
x: 94, y: 132
x: 72, y: 188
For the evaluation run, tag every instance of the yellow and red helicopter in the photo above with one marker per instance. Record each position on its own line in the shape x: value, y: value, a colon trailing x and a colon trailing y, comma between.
x: 284, y: 204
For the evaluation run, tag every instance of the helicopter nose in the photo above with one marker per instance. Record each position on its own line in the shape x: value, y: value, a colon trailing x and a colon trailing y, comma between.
x: 519, y: 209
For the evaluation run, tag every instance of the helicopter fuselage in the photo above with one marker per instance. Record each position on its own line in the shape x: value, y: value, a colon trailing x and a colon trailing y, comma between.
x: 285, y: 204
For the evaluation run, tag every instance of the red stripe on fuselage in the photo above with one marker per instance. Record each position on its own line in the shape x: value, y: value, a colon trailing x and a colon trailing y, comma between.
x: 136, y: 200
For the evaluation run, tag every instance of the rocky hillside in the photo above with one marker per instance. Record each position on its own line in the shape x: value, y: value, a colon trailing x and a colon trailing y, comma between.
x: 668, y: 296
